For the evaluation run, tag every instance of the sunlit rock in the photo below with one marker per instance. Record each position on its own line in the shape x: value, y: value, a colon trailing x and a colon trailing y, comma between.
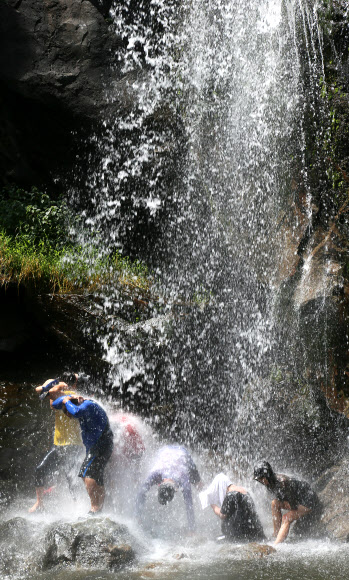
x: 120, y: 554
x: 96, y: 542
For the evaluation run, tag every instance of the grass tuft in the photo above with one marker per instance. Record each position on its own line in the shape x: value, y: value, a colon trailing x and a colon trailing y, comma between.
x: 45, y: 269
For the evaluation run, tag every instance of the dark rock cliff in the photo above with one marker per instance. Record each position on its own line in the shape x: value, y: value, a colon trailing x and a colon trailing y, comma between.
x: 313, y: 228
x: 55, y: 67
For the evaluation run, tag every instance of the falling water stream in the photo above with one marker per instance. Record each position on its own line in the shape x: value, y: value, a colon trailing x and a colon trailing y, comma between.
x: 197, y: 177
x: 193, y: 179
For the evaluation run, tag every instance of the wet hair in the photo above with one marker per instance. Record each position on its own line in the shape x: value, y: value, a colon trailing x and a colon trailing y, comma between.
x: 74, y: 401
x: 68, y: 377
x: 166, y: 492
x: 264, y: 469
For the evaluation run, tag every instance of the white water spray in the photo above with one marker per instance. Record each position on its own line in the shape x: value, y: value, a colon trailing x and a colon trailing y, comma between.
x: 194, y: 178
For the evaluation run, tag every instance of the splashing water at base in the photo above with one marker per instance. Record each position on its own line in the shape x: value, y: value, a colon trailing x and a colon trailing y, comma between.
x: 164, y: 550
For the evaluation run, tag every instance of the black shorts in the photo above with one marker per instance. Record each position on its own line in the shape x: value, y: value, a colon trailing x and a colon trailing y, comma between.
x: 241, y: 521
x: 60, y: 459
x: 97, y: 458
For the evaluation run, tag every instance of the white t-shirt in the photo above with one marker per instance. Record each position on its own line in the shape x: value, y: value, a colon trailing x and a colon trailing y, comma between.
x: 216, y: 491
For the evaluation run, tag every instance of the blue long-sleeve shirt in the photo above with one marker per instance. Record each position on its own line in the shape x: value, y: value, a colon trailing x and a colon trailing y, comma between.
x: 92, y: 417
x: 172, y: 462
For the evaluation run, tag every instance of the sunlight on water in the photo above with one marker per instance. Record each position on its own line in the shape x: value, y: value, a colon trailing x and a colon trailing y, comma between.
x: 270, y: 15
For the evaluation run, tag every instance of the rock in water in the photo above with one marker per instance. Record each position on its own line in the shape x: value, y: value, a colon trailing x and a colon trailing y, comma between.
x: 248, y: 551
x: 95, y: 542
x: 254, y: 550
x: 120, y: 554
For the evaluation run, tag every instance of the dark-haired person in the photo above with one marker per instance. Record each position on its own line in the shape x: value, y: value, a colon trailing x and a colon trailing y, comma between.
x: 98, y: 440
x: 235, y: 507
x: 173, y: 468
x: 295, y: 496
x: 67, y: 443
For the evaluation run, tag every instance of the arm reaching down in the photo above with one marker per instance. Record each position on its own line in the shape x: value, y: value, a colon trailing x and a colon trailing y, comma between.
x: 188, y: 500
x: 152, y: 479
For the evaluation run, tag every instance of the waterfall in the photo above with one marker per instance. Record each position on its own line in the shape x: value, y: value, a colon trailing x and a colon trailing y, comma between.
x: 209, y: 169
x: 196, y: 178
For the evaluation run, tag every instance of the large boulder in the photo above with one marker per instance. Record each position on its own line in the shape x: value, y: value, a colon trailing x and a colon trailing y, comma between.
x: 94, y: 542
x: 333, y: 488
x: 17, y: 547
x: 57, y: 51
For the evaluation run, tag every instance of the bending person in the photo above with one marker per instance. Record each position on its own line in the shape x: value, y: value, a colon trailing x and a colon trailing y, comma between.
x: 67, y: 443
x: 124, y: 468
x: 235, y: 507
x: 98, y: 440
x: 173, y: 469
x: 293, y: 495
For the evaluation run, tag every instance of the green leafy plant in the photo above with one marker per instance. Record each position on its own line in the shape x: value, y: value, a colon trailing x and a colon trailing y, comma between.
x: 33, y: 215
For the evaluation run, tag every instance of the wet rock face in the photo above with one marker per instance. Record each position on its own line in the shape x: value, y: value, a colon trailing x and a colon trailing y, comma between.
x: 97, y: 543
x: 333, y: 488
x: 59, y: 50
x: 313, y: 228
x: 55, y: 67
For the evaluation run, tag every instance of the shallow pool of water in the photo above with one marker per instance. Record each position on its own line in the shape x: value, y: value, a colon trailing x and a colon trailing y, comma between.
x: 306, y: 561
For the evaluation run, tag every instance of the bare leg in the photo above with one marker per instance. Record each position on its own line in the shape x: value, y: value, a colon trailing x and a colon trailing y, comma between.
x: 284, y: 530
x: 287, y: 520
x: 276, y: 507
x: 96, y: 494
x: 39, y: 500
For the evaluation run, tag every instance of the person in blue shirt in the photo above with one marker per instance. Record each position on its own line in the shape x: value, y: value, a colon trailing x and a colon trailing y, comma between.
x: 173, y: 468
x: 98, y: 440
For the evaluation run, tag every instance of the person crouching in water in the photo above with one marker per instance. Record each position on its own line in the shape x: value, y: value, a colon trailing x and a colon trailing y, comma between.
x: 293, y: 495
x: 235, y: 507
x: 98, y: 440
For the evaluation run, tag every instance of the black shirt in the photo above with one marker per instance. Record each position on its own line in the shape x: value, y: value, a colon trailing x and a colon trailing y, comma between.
x: 295, y: 492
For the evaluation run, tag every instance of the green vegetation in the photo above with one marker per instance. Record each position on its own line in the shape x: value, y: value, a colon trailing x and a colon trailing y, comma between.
x: 38, y: 248
x: 335, y: 136
x: 34, y: 218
